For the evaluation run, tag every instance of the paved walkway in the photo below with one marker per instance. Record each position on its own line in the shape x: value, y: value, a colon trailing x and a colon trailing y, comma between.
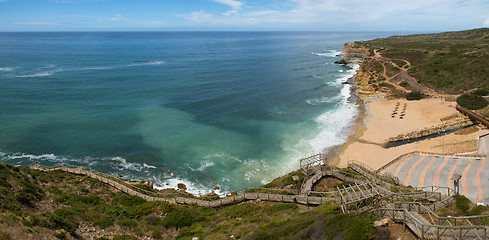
x: 421, y: 170
x: 483, y: 144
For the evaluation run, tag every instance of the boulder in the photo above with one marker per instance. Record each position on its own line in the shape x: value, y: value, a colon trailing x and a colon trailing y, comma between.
x: 182, y: 186
x: 342, y: 62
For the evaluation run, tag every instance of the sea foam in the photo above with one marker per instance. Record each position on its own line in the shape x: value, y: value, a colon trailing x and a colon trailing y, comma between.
x: 329, y: 53
x: 50, y: 70
x: 335, y: 123
x: 146, y: 63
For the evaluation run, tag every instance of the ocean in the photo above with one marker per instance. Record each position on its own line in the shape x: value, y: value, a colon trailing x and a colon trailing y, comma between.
x: 227, y: 109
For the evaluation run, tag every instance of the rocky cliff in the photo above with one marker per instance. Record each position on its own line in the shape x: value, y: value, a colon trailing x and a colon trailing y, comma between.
x: 354, y: 54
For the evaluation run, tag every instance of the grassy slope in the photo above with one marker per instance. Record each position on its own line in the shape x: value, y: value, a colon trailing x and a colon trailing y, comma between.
x: 450, y: 62
x: 36, y: 204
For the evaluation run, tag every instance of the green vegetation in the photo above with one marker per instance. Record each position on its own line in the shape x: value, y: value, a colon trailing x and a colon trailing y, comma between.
x: 324, y: 223
x: 287, y: 181
x: 60, y: 206
x: 485, y: 113
x: 462, y: 203
x: 463, y: 207
x: 450, y: 62
x: 57, y: 204
x: 414, y: 95
x: 481, y: 92
x: 472, y: 101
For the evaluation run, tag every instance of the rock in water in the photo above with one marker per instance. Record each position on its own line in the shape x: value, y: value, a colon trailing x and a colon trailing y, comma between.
x: 342, y: 62
x: 182, y: 186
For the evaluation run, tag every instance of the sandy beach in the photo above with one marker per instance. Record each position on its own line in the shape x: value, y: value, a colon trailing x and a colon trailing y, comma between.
x: 381, y: 120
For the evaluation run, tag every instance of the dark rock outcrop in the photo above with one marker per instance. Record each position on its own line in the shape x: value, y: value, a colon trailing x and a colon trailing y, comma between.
x: 342, y: 61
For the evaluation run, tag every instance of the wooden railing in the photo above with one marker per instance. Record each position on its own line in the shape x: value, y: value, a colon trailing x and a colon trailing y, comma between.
x: 240, y: 196
x: 440, y: 227
x: 317, y: 159
x: 463, y: 227
x: 372, y: 174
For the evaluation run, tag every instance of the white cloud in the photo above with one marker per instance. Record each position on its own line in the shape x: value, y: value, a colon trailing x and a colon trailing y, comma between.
x: 353, y: 14
x: 230, y: 12
x: 231, y: 3
x: 201, y: 17
x: 486, y: 22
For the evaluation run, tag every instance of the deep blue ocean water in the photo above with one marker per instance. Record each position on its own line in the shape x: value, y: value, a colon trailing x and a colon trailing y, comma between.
x: 233, y: 109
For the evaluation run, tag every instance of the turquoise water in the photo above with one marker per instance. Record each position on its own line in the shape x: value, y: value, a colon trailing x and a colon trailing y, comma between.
x: 233, y: 109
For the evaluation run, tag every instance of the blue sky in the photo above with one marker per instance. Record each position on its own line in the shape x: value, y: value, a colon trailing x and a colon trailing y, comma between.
x: 317, y: 15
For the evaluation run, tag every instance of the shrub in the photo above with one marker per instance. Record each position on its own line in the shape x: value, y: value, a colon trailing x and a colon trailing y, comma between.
x: 241, y: 210
x: 11, y: 205
x: 284, y: 228
x: 179, y: 217
x: 462, y: 203
x: 153, y: 219
x: 404, y: 84
x: 287, y: 180
x: 471, y: 101
x: 31, y: 220
x: 443, y: 212
x: 280, y: 207
x: 104, y: 222
x: 485, y: 113
x: 29, y: 193
x: 414, y: 95
x: 145, y: 187
x: 5, y: 236
x: 349, y: 226
x: 54, y: 190
x: 124, y: 237
x: 25, y: 198
x: 64, y: 212
x: 64, y: 198
x: 126, y: 222
x: 89, y: 200
x: 128, y: 200
x: 328, y: 208
x: 54, y: 221
x: 478, y: 210
x: 84, y: 190
x: 60, y: 234
x: 481, y: 92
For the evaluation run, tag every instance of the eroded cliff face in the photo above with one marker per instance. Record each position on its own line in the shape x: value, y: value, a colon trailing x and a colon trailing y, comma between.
x: 353, y: 54
x: 363, y: 87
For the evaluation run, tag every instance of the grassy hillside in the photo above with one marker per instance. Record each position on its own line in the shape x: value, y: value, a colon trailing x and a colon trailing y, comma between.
x: 451, y: 62
x: 49, y: 205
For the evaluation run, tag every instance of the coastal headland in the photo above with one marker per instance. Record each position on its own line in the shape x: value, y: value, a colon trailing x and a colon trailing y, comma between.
x: 390, y: 126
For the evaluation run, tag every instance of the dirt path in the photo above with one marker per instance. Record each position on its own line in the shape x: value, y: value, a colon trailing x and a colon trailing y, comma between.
x: 413, y: 83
